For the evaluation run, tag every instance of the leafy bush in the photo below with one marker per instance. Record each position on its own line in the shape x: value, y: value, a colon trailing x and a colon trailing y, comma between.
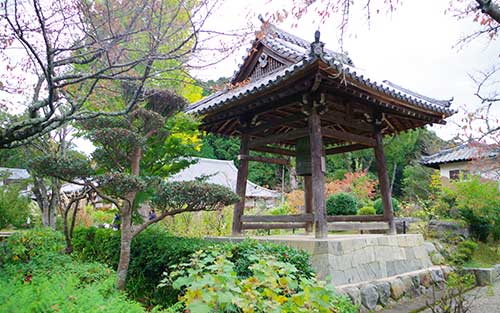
x: 478, y: 203
x: 243, y: 256
x: 211, y: 284
x: 23, y: 246
x: 379, y: 208
x: 367, y: 210
x: 154, y: 252
x: 342, y: 204
x: 14, y: 208
x: 463, y: 252
x: 480, y: 227
x: 37, y: 277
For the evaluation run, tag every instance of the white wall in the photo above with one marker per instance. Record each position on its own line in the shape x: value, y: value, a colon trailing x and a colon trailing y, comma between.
x: 447, y: 167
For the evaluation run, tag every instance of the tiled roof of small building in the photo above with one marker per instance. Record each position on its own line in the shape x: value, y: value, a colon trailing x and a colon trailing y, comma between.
x: 298, y: 49
x: 465, y: 152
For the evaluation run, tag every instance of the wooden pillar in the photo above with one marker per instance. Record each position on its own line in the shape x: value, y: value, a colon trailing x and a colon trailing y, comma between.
x: 318, y: 175
x: 241, y: 186
x: 308, y: 201
x: 383, y: 178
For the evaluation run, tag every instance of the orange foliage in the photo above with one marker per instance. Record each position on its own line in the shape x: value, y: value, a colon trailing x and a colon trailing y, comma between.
x: 358, y: 183
x: 295, y: 200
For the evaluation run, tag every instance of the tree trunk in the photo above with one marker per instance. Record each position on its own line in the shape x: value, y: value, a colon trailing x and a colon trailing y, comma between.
x: 42, y: 199
x: 125, y: 243
x: 126, y: 227
x: 293, y: 178
x: 54, y: 202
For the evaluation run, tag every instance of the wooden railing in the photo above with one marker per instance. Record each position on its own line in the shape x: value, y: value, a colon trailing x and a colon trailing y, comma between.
x: 339, y: 222
x: 5, y: 234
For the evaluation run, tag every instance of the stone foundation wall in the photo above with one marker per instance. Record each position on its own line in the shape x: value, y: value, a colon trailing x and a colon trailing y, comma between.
x: 387, y: 291
x: 354, y: 259
x: 348, y: 259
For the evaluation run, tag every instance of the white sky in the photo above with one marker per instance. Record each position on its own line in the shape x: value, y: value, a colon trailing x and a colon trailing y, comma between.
x: 413, y: 47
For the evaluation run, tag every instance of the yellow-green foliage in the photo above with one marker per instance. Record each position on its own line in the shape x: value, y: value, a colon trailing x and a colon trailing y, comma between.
x: 212, y: 285
x: 367, y: 210
x: 200, y: 224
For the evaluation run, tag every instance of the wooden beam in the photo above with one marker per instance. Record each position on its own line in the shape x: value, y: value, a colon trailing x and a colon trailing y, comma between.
x: 263, y: 159
x: 277, y: 218
x: 274, y: 123
x: 358, y: 226
x: 291, y: 135
x: 356, y: 218
x: 308, y: 203
x: 273, y: 226
x: 383, y: 178
x: 241, y: 187
x: 318, y: 175
x: 274, y: 150
x: 346, y: 120
x: 343, y: 149
x: 345, y: 136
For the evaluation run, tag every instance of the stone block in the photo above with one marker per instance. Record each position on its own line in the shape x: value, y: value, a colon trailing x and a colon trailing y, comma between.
x: 397, y: 288
x: 484, y: 276
x: 339, y: 278
x: 354, y: 294
x: 416, y: 280
x: 369, y: 296
x: 447, y: 271
x: 384, y: 292
x: 497, y: 269
x: 336, y: 248
x: 425, y: 279
x: 437, y: 275
x: 409, y: 285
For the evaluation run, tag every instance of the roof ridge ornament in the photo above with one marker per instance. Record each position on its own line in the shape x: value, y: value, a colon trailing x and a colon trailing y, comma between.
x: 317, y: 47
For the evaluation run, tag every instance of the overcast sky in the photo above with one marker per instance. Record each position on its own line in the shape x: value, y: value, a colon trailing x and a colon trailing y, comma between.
x: 414, y: 47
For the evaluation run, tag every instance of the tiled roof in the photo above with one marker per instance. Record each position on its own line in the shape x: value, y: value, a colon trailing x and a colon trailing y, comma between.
x: 15, y: 173
x: 219, y: 98
x: 463, y: 152
x: 293, y: 47
x: 223, y: 173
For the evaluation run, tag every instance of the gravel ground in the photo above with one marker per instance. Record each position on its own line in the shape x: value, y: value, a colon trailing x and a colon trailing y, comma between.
x: 488, y: 301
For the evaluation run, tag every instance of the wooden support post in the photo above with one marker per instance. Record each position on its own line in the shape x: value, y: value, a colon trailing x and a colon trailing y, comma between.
x: 308, y: 204
x: 241, y: 186
x: 318, y: 175
x: 383, y: 179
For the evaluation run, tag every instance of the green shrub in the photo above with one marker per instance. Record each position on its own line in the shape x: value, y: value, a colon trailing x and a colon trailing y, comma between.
x: 243, y: 256
x: 37, y: 277
x: 23, y: 246
x: 478, y: 203
x: 367, y: 210
x: 14, y: 208
x: 463, y: 252
x: 480, y: 227
x: 211, y: 284
x: 379, y: 208
x: 154, y: 252
x: 342, y: 204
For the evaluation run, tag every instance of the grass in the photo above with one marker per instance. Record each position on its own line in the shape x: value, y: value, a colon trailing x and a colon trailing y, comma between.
x: 486, y: 255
